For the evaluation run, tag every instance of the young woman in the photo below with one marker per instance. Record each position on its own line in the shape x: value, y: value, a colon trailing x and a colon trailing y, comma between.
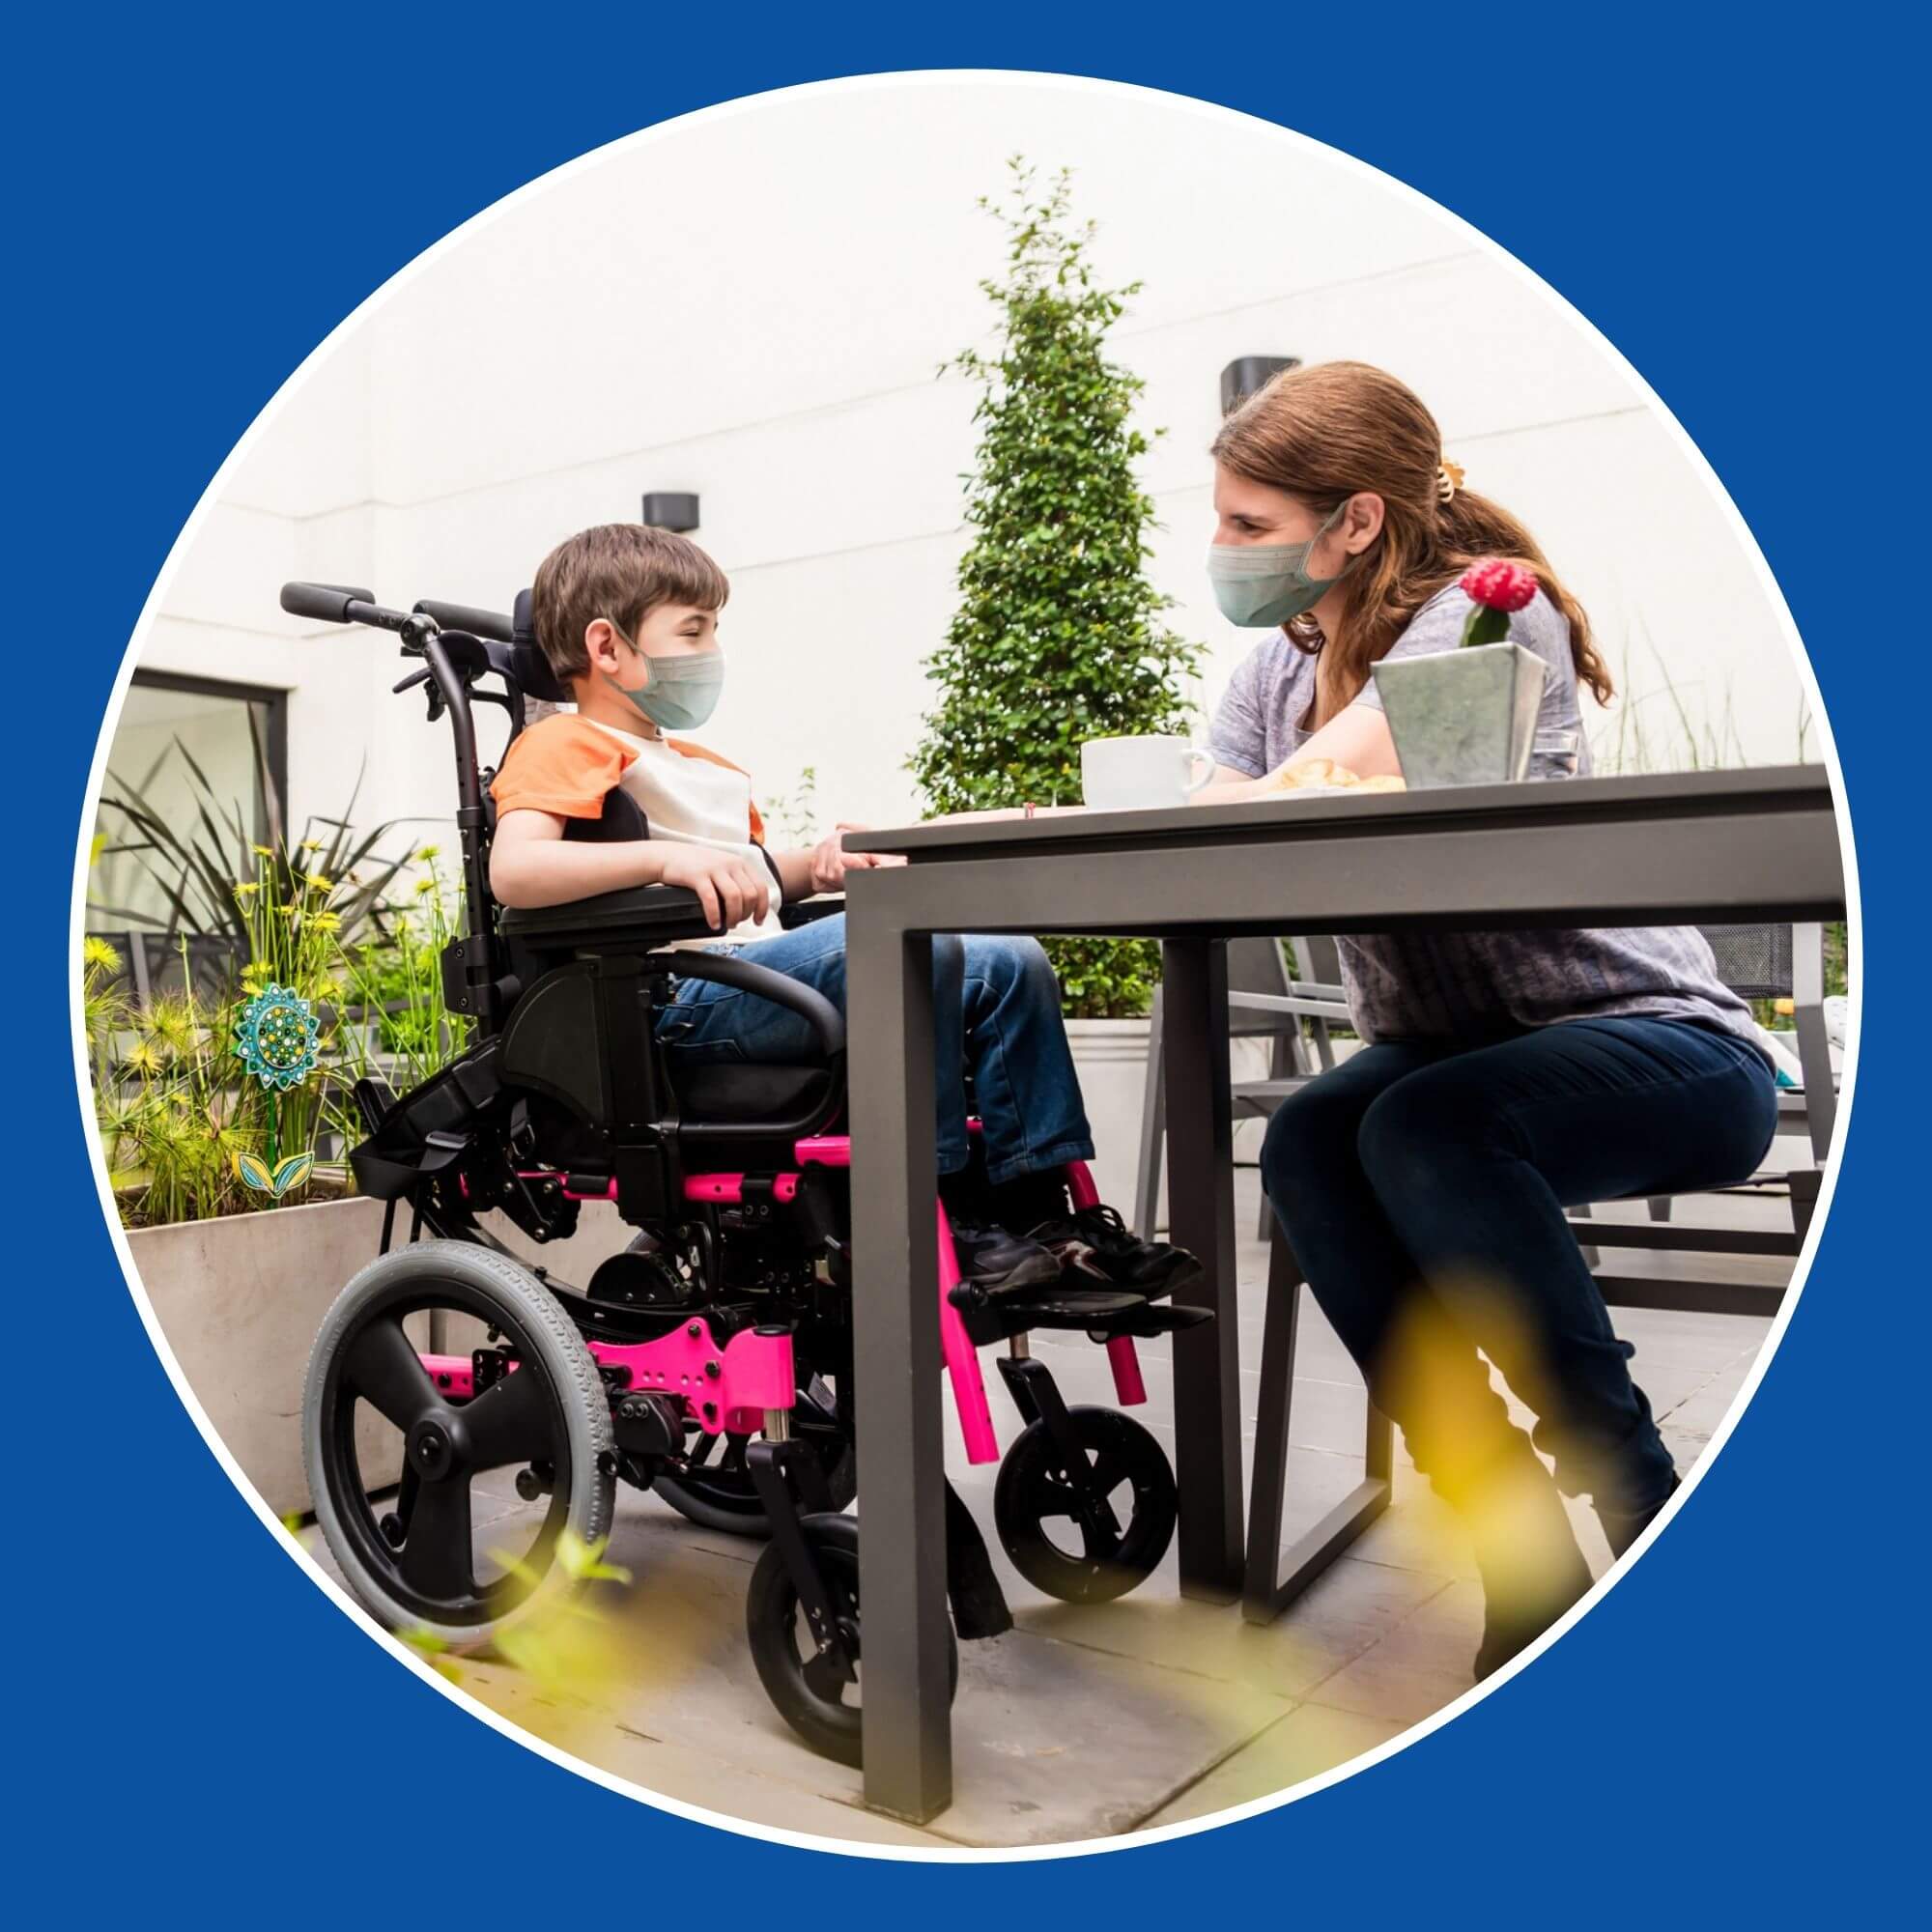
x: 1504, y: 1075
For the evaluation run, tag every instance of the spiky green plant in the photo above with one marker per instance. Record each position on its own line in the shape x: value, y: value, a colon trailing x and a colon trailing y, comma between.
x: 1058, y: 635
x: 392, y: 984
x: 213, y: 875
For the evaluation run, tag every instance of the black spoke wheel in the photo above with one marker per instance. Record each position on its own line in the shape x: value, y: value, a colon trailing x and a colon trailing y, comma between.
x: 814, y: 1696
x: 456, y: 1553
x: 1085, y: 1542
x: 716, y: 1491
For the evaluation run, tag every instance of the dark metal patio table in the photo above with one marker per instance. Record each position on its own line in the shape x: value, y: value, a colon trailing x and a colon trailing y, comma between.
x: 1667, y: 849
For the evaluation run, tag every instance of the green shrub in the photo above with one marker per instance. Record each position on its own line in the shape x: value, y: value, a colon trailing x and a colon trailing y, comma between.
x: 1059, y: 634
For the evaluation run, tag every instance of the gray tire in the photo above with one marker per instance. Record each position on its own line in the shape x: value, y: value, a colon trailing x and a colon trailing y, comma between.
x: 566, y: 1406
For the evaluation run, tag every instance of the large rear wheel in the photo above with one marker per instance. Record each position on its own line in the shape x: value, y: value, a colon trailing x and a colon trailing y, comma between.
x: 462, y: 1550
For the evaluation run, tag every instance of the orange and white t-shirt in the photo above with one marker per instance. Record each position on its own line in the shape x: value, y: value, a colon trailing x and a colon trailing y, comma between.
x: 567, y: 763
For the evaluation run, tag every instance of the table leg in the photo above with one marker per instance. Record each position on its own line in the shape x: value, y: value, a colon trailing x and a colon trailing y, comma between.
x: 896, y: 1352
x: 1201, y: 1216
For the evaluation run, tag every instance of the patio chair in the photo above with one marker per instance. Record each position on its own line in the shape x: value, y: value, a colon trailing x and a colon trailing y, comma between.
x: 1757, y: 962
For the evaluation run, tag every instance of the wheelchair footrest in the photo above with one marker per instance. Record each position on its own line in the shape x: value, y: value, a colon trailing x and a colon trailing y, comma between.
x: 1102, y: 1313
x: 1152, y: 1319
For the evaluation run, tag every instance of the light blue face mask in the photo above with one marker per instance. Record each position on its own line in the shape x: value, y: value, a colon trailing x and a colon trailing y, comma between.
x: 680, y: 691
x: 1259, y: 586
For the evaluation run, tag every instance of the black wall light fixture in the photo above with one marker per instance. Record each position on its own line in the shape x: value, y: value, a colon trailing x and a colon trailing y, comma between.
x: 670, y: 510
x: 1246, y: 374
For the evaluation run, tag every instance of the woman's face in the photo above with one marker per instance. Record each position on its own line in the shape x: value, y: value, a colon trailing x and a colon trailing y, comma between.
x: 1258, y: 513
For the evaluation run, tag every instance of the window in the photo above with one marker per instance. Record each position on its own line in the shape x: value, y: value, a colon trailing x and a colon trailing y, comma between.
x: 236, y: 738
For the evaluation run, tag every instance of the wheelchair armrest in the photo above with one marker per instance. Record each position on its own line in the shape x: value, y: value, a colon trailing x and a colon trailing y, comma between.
x: 762, y: 984
x: 646, y: 915
x: 803, y: 912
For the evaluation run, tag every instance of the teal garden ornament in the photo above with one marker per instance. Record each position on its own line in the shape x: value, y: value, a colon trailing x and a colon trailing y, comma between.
x: 275, y: 1038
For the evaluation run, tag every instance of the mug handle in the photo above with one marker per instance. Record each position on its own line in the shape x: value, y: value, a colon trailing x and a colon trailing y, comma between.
x: 1207, y: 778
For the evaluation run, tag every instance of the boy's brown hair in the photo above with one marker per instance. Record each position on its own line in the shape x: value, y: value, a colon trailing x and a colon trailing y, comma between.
x: 621, y: 573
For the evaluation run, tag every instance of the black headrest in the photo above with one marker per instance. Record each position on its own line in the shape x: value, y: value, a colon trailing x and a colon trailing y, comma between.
x: 532, y: 669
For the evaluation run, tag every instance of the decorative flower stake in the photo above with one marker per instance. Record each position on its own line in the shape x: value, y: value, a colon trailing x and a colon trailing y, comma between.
x: 1497, y: 590
x: 275, y: 1038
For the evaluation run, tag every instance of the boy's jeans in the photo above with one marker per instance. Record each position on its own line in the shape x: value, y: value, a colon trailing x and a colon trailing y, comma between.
x: 996, y: 1016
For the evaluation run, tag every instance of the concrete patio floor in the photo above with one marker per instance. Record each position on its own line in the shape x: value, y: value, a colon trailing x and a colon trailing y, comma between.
x: 1087, y: 1721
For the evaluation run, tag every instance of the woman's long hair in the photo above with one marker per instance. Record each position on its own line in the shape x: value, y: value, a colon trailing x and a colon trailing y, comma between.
x: 1324, y: 434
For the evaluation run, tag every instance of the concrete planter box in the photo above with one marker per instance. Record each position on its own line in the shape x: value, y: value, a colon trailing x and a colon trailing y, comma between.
x: 1466, y: 717
x: 1110, y: 1057
x: 239, y: 1300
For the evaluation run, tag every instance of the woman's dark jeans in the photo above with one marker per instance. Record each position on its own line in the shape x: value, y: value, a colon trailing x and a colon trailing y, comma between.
x: 1422, y: 1190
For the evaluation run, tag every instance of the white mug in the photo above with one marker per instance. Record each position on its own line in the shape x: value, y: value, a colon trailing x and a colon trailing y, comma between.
x: 1129, y: 774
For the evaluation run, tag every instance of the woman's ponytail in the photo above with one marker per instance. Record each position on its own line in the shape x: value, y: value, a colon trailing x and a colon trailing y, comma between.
x: 1476, y: 529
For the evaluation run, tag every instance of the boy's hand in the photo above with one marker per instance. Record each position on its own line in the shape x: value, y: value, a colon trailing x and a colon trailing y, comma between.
x: 831, y: 861
x: 729, y: 888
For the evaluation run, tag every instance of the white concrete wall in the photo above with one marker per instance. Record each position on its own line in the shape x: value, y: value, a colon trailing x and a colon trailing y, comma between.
x: 753, y: 305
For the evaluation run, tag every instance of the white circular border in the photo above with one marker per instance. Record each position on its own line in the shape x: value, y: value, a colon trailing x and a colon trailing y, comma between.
x: 808, y: 1841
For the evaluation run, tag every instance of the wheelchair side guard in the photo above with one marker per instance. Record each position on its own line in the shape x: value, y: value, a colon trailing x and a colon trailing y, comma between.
x: 728, y: 1387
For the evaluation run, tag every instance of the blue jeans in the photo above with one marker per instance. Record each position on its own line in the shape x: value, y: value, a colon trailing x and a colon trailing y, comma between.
x: 995, y: 1016
x: 1422, y: 1190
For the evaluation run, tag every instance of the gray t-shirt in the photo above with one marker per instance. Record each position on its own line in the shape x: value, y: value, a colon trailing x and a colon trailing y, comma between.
x: 1468, y: 987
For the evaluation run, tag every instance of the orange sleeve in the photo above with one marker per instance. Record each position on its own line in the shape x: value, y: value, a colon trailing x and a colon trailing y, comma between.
x: 693, y: 751
x: 562, y: 765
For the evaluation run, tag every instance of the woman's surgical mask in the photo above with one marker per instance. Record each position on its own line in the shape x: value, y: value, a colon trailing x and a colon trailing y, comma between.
x: 1259, y: 586
x: 680, y: 692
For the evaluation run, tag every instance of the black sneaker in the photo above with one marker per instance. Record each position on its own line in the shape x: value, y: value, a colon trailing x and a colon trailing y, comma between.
x: 993, y: 1262
x: 1093, y: 1245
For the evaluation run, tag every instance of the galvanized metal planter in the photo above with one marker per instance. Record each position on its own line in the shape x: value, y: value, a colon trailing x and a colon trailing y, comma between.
x: 1466, y: 717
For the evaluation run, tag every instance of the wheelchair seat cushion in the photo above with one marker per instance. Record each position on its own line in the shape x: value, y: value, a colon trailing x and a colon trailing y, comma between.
x: 735, y: 1091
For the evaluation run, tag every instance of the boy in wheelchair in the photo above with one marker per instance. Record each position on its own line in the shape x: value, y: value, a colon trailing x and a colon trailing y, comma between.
x: 627, y: 620
x: 710, y: 1361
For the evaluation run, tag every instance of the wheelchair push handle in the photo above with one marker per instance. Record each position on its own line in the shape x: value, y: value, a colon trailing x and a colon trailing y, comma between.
x: 345, y: 603
x: 337, y: 604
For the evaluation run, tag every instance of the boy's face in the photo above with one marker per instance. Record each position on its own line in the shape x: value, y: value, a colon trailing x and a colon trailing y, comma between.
x: 668, y: 631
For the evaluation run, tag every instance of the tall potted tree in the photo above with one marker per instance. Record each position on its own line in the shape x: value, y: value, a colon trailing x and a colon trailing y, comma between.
x: 1058, y: 635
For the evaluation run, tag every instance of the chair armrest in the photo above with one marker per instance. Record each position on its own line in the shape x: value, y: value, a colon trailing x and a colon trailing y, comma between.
x: 649, y: 915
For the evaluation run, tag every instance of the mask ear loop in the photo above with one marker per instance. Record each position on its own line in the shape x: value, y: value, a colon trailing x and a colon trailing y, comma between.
x: 1310, y: 639
x: 1350, y: 559
x: 637, y: 650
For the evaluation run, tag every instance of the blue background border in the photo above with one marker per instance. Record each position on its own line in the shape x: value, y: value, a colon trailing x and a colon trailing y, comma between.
x: 195, y: 204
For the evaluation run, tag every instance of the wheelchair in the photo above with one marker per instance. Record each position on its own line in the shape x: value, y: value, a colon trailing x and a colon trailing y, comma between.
x: 708, y: 1361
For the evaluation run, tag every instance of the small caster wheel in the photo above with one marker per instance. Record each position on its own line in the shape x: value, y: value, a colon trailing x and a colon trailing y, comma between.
x: 391, y: 1528
x: 537, y: 1482
x: 816, y: 1696
x: 1086, y: 1545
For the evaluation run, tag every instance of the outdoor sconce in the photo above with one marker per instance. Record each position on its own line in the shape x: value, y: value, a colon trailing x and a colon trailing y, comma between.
x: 670, y: 510
x: 1246, y: 374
